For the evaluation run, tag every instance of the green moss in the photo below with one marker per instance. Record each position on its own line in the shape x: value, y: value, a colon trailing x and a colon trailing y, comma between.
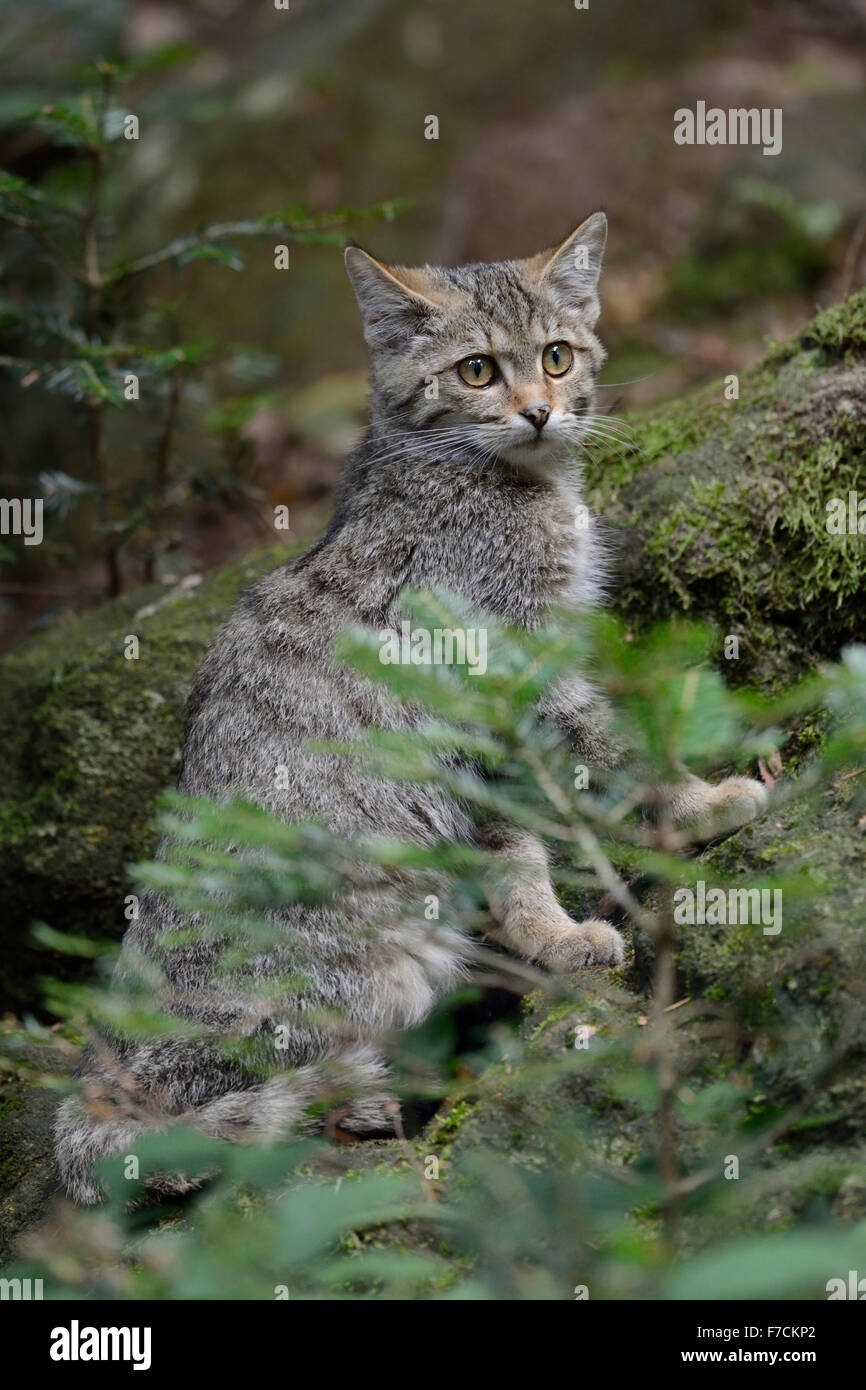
x: 721, y: 505
x: 836, y: 334
x: 548, y: 1016
x: 90, y: 740
x: 26, y: 1170
x: 445, y: 1128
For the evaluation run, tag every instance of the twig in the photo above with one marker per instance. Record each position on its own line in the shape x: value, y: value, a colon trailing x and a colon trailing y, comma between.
x: 607, y: 874
x: 852, y: 257
x: 163, y: 456
x: 662, y: 1045
x: 210, y: 236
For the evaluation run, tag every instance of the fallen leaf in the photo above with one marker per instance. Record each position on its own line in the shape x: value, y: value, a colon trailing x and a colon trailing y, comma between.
x: 770, y: 769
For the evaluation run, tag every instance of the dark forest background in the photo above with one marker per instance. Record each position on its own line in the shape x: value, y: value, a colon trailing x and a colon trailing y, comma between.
x: 545, y: 113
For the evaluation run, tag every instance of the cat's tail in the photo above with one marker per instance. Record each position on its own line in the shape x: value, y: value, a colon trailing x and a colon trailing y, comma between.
x: 86, y: 1132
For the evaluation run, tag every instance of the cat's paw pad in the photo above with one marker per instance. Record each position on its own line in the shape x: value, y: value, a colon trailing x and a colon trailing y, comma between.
x: 582, y: 945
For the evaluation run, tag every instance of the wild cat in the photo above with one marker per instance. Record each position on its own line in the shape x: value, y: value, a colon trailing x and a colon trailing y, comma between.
x: 471, y: 486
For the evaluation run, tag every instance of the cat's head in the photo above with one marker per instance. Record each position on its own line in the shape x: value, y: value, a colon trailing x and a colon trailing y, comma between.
x: 491, y: 360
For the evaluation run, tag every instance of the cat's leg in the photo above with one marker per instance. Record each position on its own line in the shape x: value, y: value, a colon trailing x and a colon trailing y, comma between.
x: 154, y: 1086
x: 529, y: 918
x: 586, y: 717
x: 375, y: 1116
x: 82, y: 1138
x: 710, y: 810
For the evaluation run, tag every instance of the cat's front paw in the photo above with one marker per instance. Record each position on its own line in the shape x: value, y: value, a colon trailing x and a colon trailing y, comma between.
x: 583, y: 944
x: 738, y: 800
x: 710, y: 812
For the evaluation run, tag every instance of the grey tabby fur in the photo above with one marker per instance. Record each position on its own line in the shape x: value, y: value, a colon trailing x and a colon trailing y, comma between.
x: 453, y: 487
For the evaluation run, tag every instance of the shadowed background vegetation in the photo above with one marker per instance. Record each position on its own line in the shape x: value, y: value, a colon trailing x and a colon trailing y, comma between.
x: 545, y: 113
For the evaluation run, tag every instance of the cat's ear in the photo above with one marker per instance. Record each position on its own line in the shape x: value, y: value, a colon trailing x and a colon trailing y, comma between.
x: 392, y: 301
x: 572, y: 268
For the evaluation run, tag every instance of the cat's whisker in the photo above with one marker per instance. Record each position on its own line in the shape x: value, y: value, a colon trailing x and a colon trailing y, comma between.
x: 632, y: 381
x: 417, y: 436
x: 446, y: 443
x: 591, y: 429
x: 621, y: 431
x: 602, y: 436
x: 589, y: 443
x: 608, y: 420
x: 611, y: 423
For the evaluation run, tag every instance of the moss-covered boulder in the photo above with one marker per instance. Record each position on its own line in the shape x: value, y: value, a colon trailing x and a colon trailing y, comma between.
x: 721, y: 504
x: 90, y: 738
x: 26, y: 1165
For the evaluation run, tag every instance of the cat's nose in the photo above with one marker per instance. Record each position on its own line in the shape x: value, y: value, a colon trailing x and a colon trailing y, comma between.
x: 538, y: 415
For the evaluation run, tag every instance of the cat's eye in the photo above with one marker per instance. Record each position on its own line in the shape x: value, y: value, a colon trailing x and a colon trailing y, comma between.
x: 557, y: 358
x: 477, y: 371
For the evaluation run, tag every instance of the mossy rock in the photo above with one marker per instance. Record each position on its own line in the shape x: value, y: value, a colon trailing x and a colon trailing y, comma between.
x: 26, y: 1164
x: 805, y: 981
x: 90, y: 739
x: 720, y: 505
